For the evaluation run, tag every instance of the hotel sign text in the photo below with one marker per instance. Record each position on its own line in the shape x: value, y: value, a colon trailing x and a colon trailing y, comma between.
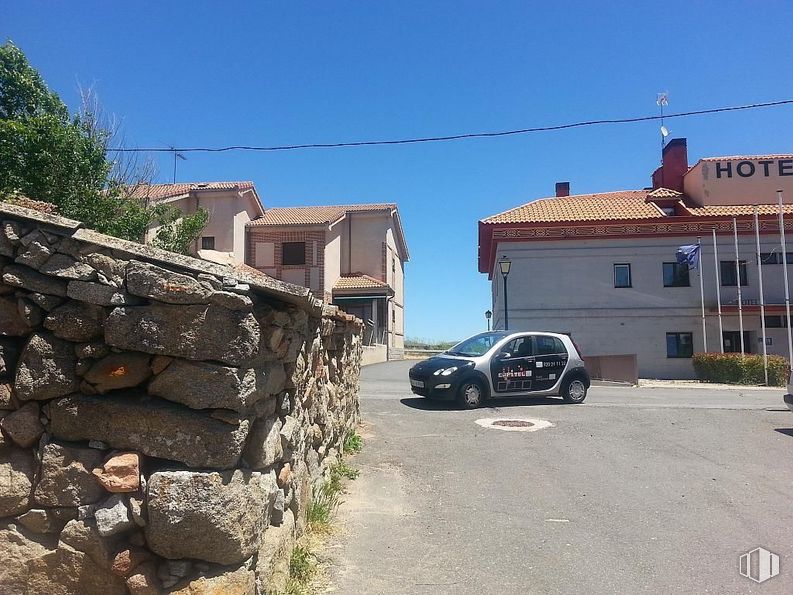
x: 762, y: 167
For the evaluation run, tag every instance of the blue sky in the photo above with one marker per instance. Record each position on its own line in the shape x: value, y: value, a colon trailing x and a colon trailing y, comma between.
x: 266, y: 73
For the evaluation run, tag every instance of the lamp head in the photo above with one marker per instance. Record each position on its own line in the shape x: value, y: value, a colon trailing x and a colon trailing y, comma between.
x: 504, y: 264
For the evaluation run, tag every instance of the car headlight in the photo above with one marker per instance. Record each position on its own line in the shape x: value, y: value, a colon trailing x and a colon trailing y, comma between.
x: 449, y: 371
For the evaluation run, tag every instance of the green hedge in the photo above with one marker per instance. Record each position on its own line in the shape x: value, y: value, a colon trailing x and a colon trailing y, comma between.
x: 733, y: 368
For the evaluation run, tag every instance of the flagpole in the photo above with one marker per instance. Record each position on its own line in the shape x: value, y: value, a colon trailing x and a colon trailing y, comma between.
x: 784, y: 269
x: 762, y: 299
x: 738, y: 283
x: 718, y: 289
x: 702, y: 294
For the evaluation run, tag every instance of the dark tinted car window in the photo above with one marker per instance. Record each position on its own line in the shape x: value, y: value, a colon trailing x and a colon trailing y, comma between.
x: 520, y: 347
x: 477, y: 345
x: 548, y: 345
x: 523, y: 347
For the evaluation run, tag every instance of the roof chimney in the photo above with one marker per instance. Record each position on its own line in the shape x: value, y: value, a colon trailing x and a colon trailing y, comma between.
x: 562, y: 188
x: 674, y: 165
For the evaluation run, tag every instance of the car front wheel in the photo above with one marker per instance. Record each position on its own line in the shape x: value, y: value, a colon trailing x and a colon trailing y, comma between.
x: 471, y: 394
x: 574, y: 391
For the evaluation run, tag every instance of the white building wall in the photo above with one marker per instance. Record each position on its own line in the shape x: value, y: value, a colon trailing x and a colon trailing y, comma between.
x: 333, y: 251
x: 395, y: 277
x: 568, y: 286
x: 229, y: 212
x: 736, y: 181
x: 368, y: 234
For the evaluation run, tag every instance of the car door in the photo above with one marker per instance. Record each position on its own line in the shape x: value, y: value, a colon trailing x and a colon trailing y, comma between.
x: 550, y: 360
x: 512, y: 367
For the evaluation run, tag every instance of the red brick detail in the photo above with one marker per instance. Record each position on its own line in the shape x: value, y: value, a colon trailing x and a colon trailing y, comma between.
x: 278, y: 237
x: 674, y: 166
x: 490, y: 235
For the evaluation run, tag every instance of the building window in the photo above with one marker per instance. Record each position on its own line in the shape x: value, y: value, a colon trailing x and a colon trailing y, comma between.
x: 679, y: 345
x: 775, y: 321
x: 393, y: 316
x: 293, y: 253
x: 393, y: 265
x: 208, y: 243
x: 676, y: 275
x: 731, y: 340
x: 727, y: 272
x: 622, y: 275
x: 775, y: 257
x: 668, y: 211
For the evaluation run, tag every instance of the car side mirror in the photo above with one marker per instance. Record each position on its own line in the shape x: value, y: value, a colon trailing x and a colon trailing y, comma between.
x: 504, y: 355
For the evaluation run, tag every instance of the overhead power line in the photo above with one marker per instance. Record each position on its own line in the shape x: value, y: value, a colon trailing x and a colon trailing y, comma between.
x: 452, y: 137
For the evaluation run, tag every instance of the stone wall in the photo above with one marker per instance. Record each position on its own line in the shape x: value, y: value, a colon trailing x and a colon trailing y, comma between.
x: 163, y: 419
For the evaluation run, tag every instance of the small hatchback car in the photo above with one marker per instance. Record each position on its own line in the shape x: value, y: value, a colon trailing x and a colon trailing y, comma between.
x: 503, y: 364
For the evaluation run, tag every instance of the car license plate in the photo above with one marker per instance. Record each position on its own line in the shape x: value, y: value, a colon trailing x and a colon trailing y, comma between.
x: 417, y: 383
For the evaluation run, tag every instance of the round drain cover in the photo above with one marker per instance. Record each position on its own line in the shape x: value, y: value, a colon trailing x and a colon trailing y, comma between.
x: 514, y: 424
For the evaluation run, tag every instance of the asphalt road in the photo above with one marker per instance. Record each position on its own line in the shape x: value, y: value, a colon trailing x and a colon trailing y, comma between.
x: 635, y: 491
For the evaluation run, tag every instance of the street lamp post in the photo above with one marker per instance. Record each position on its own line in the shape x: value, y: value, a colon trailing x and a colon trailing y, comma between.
x: 488, y: 315
x: 504, y: 264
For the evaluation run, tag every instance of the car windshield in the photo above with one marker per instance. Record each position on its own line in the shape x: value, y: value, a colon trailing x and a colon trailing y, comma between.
x: 477, y: 345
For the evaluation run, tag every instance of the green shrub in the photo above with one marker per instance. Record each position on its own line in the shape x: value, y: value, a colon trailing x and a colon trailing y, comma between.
x: 734, y: 368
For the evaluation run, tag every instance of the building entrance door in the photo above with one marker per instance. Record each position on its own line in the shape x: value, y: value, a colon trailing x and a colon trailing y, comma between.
x: 732, y: 342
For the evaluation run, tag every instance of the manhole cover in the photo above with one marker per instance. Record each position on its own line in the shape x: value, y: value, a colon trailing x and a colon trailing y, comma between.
x: 515, y: 424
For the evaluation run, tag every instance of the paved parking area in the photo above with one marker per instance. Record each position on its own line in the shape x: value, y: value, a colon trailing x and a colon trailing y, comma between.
x: 636, y: 491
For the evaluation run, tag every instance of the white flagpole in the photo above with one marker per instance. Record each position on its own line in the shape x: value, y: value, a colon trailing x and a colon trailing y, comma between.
x: 784, y: 269
x: 762, y: 299
x: 702, y: 294
x: 738, y: 283
x: 718, y: 289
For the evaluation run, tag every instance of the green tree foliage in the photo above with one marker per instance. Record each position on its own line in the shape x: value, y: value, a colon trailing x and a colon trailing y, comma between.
x: 178, y: 232
x: 23, y: 93
x: 49, y: 155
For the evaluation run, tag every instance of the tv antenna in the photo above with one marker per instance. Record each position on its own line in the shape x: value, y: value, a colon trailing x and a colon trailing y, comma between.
x: 176, y: 156
x: 662, y: 100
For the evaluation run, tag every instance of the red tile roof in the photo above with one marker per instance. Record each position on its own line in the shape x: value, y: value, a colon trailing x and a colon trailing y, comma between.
x: 162, y: 191
x: 359, y: 281
x: 319, y: 215
x: 738, y: 210
x: 604, y: 206
x: 745, y: 157
x: 663, y: 193
x: 614, y: 206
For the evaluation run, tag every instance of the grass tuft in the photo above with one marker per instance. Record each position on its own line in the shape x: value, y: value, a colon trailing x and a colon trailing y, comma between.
x: 324, y: 503
x: 302, y: 564
x: 353, y: 443
x: 302, y: 569
x: 344, y: 470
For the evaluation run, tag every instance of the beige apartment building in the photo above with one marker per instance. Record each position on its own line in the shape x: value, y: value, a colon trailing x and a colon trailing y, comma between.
x: 602, y: 267
x: 352, y: 256
x: 231, y: 205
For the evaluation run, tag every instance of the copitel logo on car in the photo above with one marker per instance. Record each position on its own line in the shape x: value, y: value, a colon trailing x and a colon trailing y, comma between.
x: 759, y: 565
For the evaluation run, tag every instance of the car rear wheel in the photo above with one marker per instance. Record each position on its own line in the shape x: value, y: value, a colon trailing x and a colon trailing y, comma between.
x: 574, y: 391
x: 471, y: 394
